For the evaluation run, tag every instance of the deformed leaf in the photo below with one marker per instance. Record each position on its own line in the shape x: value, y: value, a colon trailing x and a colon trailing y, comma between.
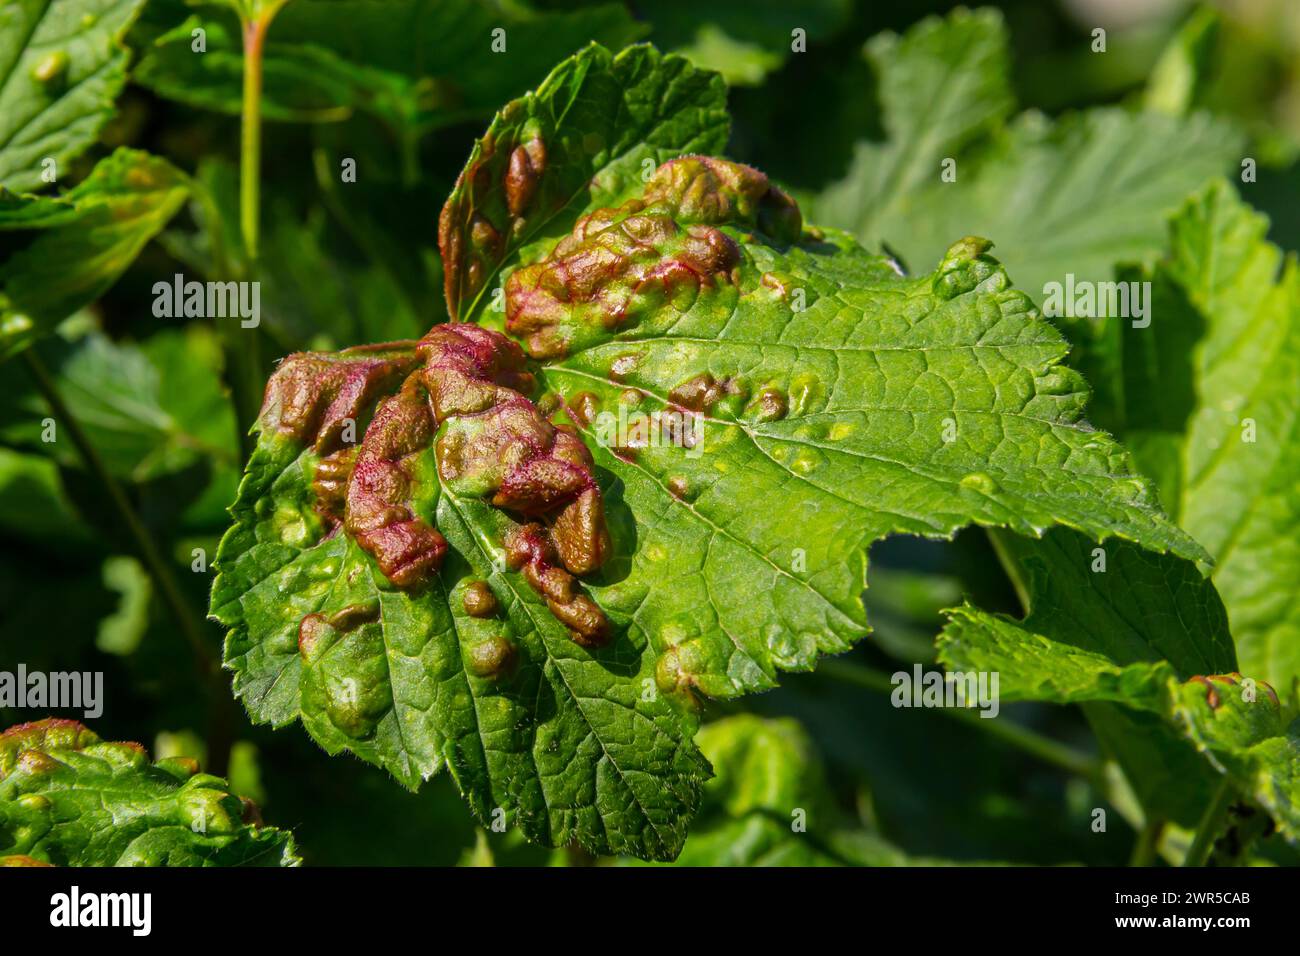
x: 462, y: 552
x: 582, y: 140
x: 69, y: 799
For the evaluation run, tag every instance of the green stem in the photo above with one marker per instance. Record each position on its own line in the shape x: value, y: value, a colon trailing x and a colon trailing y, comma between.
x: 245, y: 363
x: 144, y: 542
x: 1030, y: 741
x: 187, y: 619
x: 1207, y: 831
x: 997, y: 539
x: 1148, y: 841
x: 250, y: 142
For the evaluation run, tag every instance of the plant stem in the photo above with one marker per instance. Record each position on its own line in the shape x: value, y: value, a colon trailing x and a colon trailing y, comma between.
x: 144, y: 542
x: 1030, y: 741
x: 996, y: 538
x: 1207, y: 831
x: 187, y: 619
x: 250, y: 142
x: 1144, y: 850
x: 244, y: 363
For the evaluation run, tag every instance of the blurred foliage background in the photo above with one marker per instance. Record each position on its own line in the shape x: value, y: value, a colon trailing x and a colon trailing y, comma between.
x: 404, y: 91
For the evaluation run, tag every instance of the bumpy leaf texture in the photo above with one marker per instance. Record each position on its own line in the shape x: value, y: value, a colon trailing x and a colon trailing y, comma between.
x: 69, y: 799
x: 643, y: 468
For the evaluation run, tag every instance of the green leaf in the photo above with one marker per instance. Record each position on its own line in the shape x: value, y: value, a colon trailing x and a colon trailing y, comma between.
x: 744, y: 40
x: 872, y: 374
x: 600, y: 119
x: 769, y: 804
x: 942, y: 86
x: 824, y: 379
x: 570, y: 745
x: 69, y: 799
x: 415, y: 64
x: 1128, y: 605
x: 62, y: 64
x: 122, y: 631
x: 1149, y: 633
x: 150, y: 409
x: 1205, y: 397
x: 1069, y: 197
x: 33, y: 504
x: 71, y: 251
x: 1178, y: 81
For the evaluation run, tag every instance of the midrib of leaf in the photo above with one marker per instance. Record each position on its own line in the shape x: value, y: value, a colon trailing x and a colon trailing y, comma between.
x: 489, y: 554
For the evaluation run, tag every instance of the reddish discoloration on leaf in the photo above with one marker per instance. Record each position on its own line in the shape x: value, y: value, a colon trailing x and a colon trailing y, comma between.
x: 527, y: 163
x: 53, y: 733
x: 1233, y: 679
x: 379, y: 515
x: 469, y: 386
x: 698, y: 394
x: 493, y: 658
x: 333, y: 472
x: 478, y: 599
x: 709, y: 190
x: 315, y: 629
x: 770, y: 405
x: 660, y: 250
x: 313, y: 395
x: 533, y: 550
